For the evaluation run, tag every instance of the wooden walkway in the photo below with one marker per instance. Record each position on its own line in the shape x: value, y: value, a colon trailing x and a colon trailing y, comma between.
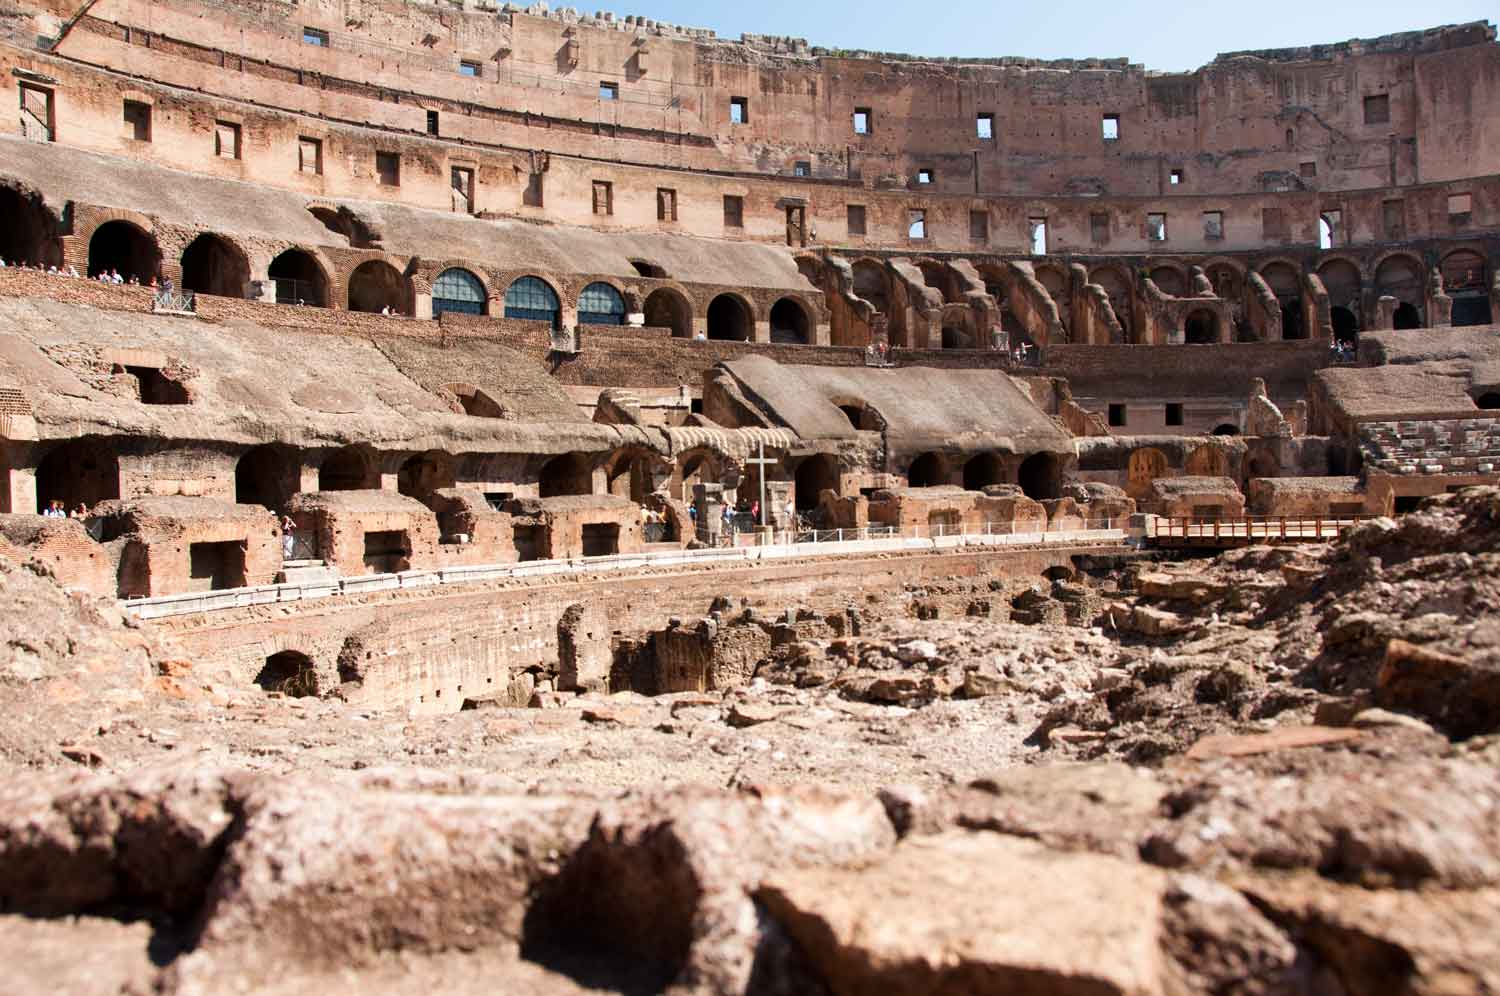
x: 1181, y: 531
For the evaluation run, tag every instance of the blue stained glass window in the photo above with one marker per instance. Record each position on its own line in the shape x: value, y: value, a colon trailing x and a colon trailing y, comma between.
x: 457, y: 290
x: 601, y: 304
x: 530, y: 298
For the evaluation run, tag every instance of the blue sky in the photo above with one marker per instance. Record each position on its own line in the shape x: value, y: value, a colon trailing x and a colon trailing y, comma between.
x: 1165, y: 35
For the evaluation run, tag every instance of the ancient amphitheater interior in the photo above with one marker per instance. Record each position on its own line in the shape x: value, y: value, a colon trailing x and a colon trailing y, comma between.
x: 514, y: 501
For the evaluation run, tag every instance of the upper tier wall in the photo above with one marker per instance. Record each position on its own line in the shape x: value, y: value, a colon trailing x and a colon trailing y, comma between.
x: 1252, y: 122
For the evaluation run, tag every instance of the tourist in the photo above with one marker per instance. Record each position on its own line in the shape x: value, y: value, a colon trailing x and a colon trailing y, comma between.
x: 755, y: 512
x: 386, y: 310
x: 288, y: 538
x: 728, y: 518
x: 700, y: 336
x: 73, y: 272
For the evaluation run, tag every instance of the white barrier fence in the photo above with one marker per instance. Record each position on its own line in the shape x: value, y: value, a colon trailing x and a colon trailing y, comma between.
x: 856, y: 542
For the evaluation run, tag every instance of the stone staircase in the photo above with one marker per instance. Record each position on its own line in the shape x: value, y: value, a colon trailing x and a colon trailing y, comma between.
x: 306, y: 572
x: 1450, y: 446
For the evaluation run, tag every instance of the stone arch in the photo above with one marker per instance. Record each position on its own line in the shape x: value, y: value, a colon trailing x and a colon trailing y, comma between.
x: 1145, y: 465
x: 1040, y: 476
x: 873, y: 284
x: 1225, y: 429
x: 1201, y: 328
x: 82, y: 471
x: 1115, y: 283
x: 299, y: 278
x: 1055, y: 280
x: 29, y: 234
x: 376, y: 285
x: 936, y: 275
x: 1466, y: 280
x: 1407, y: 316
x: 125, y: 248
x: 790, y: 322
x: 266, y: 475
x: 347, y: 469
x: 1170, y: 279
x: 530, y: 298
x: 1489, y: 400
x: 601, y: 303
x: 1285, y: 281
x: 668, y: 308
x: 291, y: 673
x: 730, y: 318
x: 927, y: 470
x: 214, y: 265
x: 461, y: 291
x: 568, y: 474
x: 1345, y: 324
x: 423, y: 473
x: 860, y: 413
x: 983, y: 470
x: 632, y: 471
x: 1207, y: 461
x: 700, y: 465
x: 815, y: 475
x: 1399, y: 275
x: 1342, y: 280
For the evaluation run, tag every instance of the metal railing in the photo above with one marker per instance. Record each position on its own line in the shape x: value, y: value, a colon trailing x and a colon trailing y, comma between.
x: 1251, y: 527
x: 299, y: 546
x: 175, y: 302
x: 746, y: 533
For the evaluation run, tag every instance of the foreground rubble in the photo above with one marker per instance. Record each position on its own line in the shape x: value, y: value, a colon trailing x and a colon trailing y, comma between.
x: 1274, y: 772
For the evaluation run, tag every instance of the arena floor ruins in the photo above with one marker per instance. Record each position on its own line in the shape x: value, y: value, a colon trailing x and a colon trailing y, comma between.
x: 514, y: 501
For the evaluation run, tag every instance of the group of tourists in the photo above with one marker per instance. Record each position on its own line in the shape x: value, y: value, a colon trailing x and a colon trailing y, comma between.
x: 51, y: 271
x: 878, y: 353
x: 56, y: 510
x: 1342, y: 351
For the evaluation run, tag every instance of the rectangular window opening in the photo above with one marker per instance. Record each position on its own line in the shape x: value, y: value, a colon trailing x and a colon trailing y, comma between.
x: 739, y: 110
x: 916, y: 227
x: 1213, y: 225
x: 432, y: 122
x: 1174, y: 413
x: 1273, y: 224
x: 802, y: 168
x: 388, y: 169
x: 985, y: 127
x: 1460, y: 207
x: 1110, y: 127
x: 1393, y: 214
x: 387, y: 552
x: 734, y: 211
x: 924, y: 176
x: 1156, y: 227
x: 216, y: 566
x: 1116, y: 415
x: 1038, y: 229
x: 601, y: 539
x: 1307, y: 170
x: 1099, y: 227
x: 1378, y: 109
x: 532, y: 196
x: 1176, y: 178
x: 461, y: 180
x: 856, y: 218
x: 469, y: 67
x: 979, y: 226
x: 862, y: 119
x: 315, y: 36
x: 666, y: 204
x: 604, y: 197
x: 226, y: 140
x: 310, y: 155
x: 137, y: 121
x: 609, y: 91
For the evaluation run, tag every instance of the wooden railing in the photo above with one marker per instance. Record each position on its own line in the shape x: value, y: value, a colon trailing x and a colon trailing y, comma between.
x: 1252, y: 528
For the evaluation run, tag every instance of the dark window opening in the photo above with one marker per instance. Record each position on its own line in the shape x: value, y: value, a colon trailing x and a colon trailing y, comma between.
x: 1307, y: 170
x: 601, y: 539
x: 1201, y: 328
x: 802, y: 168
x: 264, y: 476
x: 289, y: 673
x: 1040, y: 477
x: 156, y: 388
x: 528, y: 540
x: 432, y: 122
x: 345, y: 470
x: 216, y: 566
x: 137, y: 121
x: 78, y: 473
x: 729, y: 319
x: 532, y: 196
x: 926, y: 471
x: 1226, y: 430
x: 1378, y: 109
x: 120, y: 247
x: 789, y: 323
x: 856, y: 219
x: 1174, y: 413
x: 982, y: 471
x: 1099, y: 227
x: 376, y: 288
x: 388, y: 168
x: 1116, y: 415
x: 647, y: 269
x: 734, y: 211
x: 1407, y: 316
x: 1407, y: 503
x: 604, y: 197
x: 387, y: 551
x: 214, y: 265
x: 299, y: 279
x: 1489, y: 401
x: 979, y: 226
x: 569, y: 474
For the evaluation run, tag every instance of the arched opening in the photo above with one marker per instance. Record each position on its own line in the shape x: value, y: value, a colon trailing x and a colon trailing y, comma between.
x: 1489, y: 401
x: 1145, y: 466
x: 346, y: 470
x: 1040, y: 477
x: 1225, y: 429
x: 376, y: 286
x: 299, y: 279
x: 1201, y: 328
x: 425, y: 473
x: 789, y: 323
x: 1407, y: 316
x: 870, y: 284
x: 936, y: 276
x: 29, y: 232
x: 982, y: 471
x: 1117, y: 289
x: 696, y: 467
x: 343, y: 221
x: 1207, y: 461
x: 569, y: 474
x: 601, y: 304
x: 1401, y: 277
x: 926, y: 471
x: 1466, y: 281
x: 814, y: 476
x: 214, y: 265
x: 1286, y: 284
x: 533, y: 299
x: 666, y: 308
x: 729, y: 319
x: 120, y: 247
x: 1170, y: 280
x: 459, y: 291
x: 631, y: 473
x: 265, y: 476
x: 290, y: 673
x: 81, y: 472
x: 1345, y: 325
